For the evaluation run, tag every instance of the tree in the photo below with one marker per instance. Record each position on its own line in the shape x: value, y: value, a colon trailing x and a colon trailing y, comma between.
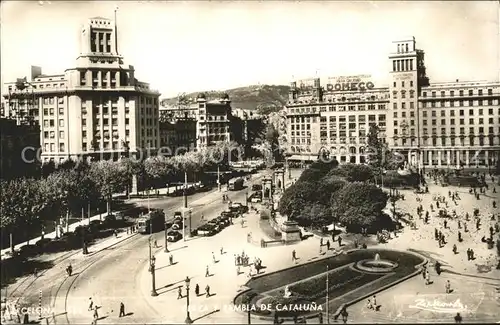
x: 358, y: 203
x: 21, y: 205
x: 272, y: 138
x: 375, y: 147
x: 110, y: 177
x: 316, y: 215
x: 356, y: 173
x: 48, y: 168
x: 295, y: 198
x: 158, y: 168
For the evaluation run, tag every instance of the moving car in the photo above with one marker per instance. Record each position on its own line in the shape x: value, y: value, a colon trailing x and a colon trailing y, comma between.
x: 173, y: 236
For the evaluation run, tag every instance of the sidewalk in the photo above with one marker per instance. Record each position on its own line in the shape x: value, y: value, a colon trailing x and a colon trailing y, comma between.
x: 6, y: 253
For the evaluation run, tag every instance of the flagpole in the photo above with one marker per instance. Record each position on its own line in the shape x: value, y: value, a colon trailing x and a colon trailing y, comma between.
x: 116, y: 32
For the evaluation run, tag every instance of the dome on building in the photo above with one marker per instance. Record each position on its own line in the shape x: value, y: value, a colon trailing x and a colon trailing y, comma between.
x: 225, y: 96
x: 201, y: 96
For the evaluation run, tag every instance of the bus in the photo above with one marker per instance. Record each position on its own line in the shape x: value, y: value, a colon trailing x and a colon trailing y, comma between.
x: 152, y: 222
x: 235, y: 184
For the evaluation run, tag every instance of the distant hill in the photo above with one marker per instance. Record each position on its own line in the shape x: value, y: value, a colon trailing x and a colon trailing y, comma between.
x: 250, y: 97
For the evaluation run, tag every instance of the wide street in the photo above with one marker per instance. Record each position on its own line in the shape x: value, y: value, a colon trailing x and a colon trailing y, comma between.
x: 112, y: 278
x: 54, y: 284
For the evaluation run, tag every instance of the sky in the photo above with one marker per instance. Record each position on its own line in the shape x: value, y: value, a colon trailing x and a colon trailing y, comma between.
x: 207, y: 45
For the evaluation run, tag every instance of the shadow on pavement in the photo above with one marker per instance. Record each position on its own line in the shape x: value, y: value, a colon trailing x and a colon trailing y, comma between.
x: 162, y: 267
x: 18, y: 267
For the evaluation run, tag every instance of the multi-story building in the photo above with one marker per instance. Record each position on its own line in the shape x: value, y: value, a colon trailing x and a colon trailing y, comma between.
x: 202, y: 122
x: 96, y: 107
x: 432, y: 125
x: 19, y: 147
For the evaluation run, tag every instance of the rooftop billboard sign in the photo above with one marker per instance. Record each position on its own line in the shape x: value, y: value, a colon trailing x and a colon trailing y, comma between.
x: 350, y: 83
x: 306, y: 83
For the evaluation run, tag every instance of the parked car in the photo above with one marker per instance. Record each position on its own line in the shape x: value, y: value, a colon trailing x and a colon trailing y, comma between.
x: 215, y: 224
x: 257, y: 187
x: 28, y: 251
x: 255, y: 197
x: 177, y: 225
x: 206, y: 230
x: 227, y: 213
x: 42, y: 243
x: 238, y: 208
x: 173, y: 236
x: 177, y: 216
x: 223, y: 221
x: 95, y: 225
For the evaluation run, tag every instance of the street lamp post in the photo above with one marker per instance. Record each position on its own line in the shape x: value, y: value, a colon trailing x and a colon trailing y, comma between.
x: 218, y: 177
x: 166, y: 238
x: 188, y: 317
x: 153, y: 284
x: 185, y: 189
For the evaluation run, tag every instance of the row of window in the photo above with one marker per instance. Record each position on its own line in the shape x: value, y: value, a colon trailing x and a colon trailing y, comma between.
x: 51, y: 111
x: 491, y: 130
x: 460, y: 103
x: 52, y: 134
x: 51, y: 123
x: 403, y: 85
x: 51, y: 147
x: 402, y: 65
x: 462, y: 112
x: 461, y: 93
x: 461, y: 121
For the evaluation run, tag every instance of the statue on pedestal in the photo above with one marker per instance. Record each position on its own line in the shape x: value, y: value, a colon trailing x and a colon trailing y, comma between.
x: 287, y: 293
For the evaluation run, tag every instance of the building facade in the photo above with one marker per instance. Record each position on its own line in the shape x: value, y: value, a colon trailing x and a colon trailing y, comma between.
x: 19, y: 147
x: 442, y: 125
x: 97, y: 107
x: 201, y: 123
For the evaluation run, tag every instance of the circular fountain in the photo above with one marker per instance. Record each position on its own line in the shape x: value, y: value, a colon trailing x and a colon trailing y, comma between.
x: 376, y: 265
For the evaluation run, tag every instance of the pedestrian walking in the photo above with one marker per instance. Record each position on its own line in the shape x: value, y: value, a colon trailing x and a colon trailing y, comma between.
x: 328, y: 244
x: 35, y: 272
x: 321, y: 242
x: 91, y: 304
x: 339, y: 240
x: 465, y: 228
x: 222, y: 250
x: 321, y: 249
x: 207, y: 291
x: 468, y: 254
x: 207, y: 273
x: 238, y: 270
x: 197, y: 289
x: 171, y: 259
x: 294, y: 256
x: 448, y: 286
x: 458, y: 318
x: 202, y: 217
x: 115, y: 232
x: 445, y: 223
x: 96, y: 313
x: 459, y: 225
x: 122, y: 310
x: 427, y: 278
x: 454, y: 249
x: 213, y: 258
x: 179, y: 293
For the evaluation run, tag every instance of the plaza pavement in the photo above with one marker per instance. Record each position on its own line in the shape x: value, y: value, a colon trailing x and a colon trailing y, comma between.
x: 225, y: 283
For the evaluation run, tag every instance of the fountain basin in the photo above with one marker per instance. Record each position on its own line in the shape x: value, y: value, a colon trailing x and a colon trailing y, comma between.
x: 376, y: 266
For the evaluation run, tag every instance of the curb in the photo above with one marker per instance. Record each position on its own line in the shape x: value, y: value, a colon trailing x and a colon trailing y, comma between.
x: 115, y: 243
x: 338, y: 311
x: 387, y: 286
